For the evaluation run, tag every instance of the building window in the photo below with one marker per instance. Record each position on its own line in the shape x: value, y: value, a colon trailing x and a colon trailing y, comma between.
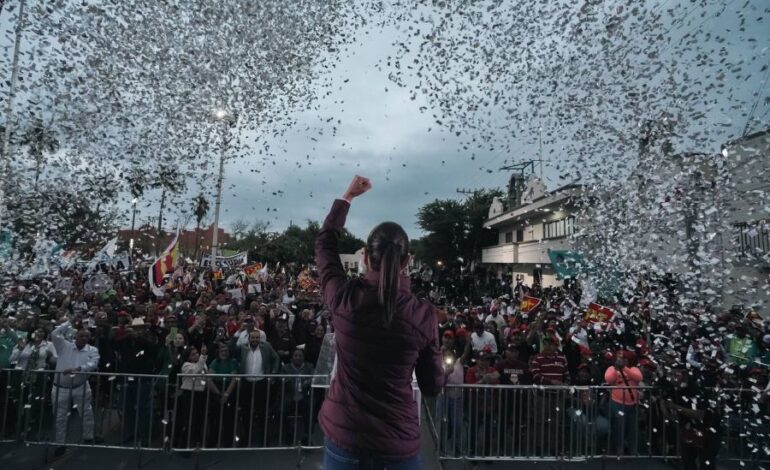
x: 508, y: 237
x: 346, y: 265
x: 355, y: 265
x: 754, y: 239
x: 559, y: 228
x: 520, y: 235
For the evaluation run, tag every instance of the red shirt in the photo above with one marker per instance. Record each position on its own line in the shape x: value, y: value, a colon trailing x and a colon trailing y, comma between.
x: 546, y: 369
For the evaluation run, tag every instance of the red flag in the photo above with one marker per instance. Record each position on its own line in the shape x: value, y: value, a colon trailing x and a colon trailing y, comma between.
x: 598, y: 313
x: 529, y: 304
x: 164, y: 265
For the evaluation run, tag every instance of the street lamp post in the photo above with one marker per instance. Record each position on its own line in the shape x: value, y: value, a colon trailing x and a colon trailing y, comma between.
x: 227, y: 119
x: 131, y: 241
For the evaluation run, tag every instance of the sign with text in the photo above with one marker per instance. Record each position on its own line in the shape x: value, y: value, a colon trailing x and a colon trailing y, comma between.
x: 225, y: 261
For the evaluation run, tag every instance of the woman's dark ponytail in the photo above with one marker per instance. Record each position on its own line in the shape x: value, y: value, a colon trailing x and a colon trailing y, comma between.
x: 387, y: 247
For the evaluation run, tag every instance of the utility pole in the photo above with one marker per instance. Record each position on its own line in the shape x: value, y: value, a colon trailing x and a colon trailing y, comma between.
x: 6, y: 176
x: 540, y: 144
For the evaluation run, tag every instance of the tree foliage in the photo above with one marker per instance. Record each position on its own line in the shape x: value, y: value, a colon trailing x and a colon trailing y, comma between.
x: 454, y: 229
x: 294, y: 245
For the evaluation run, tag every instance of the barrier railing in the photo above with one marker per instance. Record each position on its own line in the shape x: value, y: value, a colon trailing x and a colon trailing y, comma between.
x: 518, y: 422
x: 481, y: 422
x: 234, y: 411
x: 151, y: 412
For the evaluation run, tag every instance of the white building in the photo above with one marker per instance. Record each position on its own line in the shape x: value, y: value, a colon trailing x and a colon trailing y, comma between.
x: 353, y: 262
x: 747, y: 210
x: 533, y: 222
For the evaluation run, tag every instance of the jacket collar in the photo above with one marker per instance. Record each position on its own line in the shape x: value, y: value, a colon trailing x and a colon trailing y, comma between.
x: 373, y: 278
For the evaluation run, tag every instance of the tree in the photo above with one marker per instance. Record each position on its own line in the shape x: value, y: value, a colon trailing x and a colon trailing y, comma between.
x: 455, y: 229
x: 200, y: 209
x: 39, y: 140
x: 239, y: 229
x: 169, y: 179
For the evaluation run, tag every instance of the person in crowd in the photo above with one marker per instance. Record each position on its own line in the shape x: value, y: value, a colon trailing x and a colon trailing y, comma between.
x: 222, y: 413
x: 314, y: 343
x: 623, y: 405
x: 138, y: 351
x: 383, y: 335
x: 71, y: 387
x: 451, y: 401
x: 241, y: 337
x: 190, y: 411
x: 296, y: 397
x: 549, y: 367
x: 495, y: 316
x: 741, y: 348
x: 31, y: 358
x: 482, y: 401
x: 480, y: 338
x: 257, y: 360
x: 700, y: 426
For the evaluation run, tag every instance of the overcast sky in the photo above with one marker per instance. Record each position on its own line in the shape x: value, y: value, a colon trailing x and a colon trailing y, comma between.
x: 382, y: 135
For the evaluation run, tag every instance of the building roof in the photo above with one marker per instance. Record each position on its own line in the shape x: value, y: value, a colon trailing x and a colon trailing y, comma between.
x: 553, y: 197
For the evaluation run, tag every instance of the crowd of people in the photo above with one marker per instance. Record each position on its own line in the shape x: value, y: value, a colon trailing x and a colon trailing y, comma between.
x: 683, y: 373
x: 169, y: 365
x: 227, y: 334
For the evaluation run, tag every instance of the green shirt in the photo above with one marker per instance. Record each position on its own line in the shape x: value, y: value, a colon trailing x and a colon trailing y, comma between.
x: 8, y: 340
x: 228, y: 367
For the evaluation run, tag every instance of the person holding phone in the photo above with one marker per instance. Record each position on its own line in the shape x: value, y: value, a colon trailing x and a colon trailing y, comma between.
x: 383, y: 334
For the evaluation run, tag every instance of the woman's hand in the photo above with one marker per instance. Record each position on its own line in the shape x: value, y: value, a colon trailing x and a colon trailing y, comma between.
x: 357, y: 187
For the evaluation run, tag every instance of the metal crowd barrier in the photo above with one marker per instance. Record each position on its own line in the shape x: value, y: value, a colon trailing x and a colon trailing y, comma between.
x: 261, y: 412
x: 573, y: 423
x: 479, y: 422
x: 149, y: 412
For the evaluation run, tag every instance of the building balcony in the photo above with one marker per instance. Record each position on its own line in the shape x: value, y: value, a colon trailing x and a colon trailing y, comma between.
x: 533, y: 252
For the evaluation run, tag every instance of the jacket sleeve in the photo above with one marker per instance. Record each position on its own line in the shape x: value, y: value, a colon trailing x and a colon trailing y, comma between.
x: 57, y: 336
x: 429, y: 369
x: 331, y: 273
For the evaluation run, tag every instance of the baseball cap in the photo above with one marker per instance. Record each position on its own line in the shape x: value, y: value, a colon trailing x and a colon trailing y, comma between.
x: 449, y: 334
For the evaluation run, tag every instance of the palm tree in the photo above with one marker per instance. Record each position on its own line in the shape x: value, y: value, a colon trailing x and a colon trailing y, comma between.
x: 39, y: 141
x: 169, y: 179
x: 200, y: 209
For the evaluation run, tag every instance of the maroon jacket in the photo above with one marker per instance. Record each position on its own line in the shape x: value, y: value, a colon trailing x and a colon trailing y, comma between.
x: 370, y: 405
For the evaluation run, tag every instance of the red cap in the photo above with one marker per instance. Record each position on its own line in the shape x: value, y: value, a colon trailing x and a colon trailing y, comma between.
x: 449, y: 334
x: 461, y: 333
x: 608, y: 355
x: 123, y: 314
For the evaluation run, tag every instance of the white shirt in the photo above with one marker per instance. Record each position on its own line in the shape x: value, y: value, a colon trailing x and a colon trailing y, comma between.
x: 486, y: 339
x: 243, y: 337
x: 70, y: 357
x: 194, y: 384
x: 499, y: 320
x: 254, y: 364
